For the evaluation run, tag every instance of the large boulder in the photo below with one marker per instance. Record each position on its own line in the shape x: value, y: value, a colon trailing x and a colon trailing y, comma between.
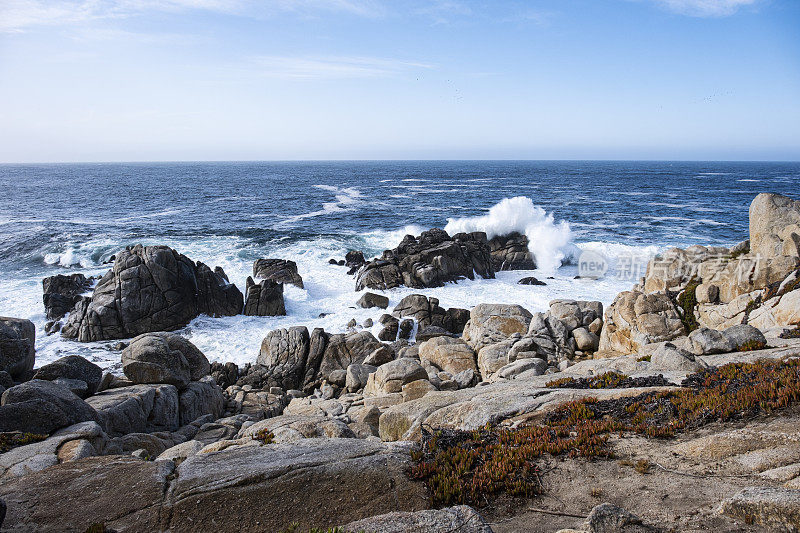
x: 17, y: 346
x: 343, y: 350
x: 635, y: 319
x: 199, y: 399
x: 426, y: 312
x: 493, y: 323
x: 61, y: 293
x: 72, y: 367
x: 284, y: 352
x: 120, y: 492
x: 41, y: 407
x: 745, y: 336
x: 264, y: 299
x: 164, y: 358
x: 391, y: 377
x: 314, y: 482
x: 138, y: 409
x: 369, y: 300
x: 774, y: 226
x: 278, y: 270
x: 151, y: 288
x: 510, y: 252
x: 448, y: 354
x: 430, y: 260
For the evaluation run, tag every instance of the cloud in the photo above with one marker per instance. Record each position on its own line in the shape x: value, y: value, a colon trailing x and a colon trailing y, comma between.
x: 332, y: 67
x: 705, y: 8
x: 19, y: 15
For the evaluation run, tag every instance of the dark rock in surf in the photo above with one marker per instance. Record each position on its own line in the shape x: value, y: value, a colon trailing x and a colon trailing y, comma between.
x: 369, y: 300
x: 510, y: 252
x: 61, y: 293
x: 151, y: 288
x: 277, y: 270
x: 354, y: 258
x: 531, y: 281
x: 264, y: 299
x: 17, y: 347
x: 427, y: 312
x: 430, y: 260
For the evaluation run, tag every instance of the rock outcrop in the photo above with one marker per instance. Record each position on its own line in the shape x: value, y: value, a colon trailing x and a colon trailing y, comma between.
x: 430, y: 260
x: 461, y: 518
x: 264, y: 298
x: 17, y: 346
x: 151, y: 288
x: 164, y: 358
x: 426, y: 312
x: 277, y: 270
x: 635, y: 319
x: 510, y: 252
x: 72, y: 367
x: 61, y: 293
x: 41, y: 407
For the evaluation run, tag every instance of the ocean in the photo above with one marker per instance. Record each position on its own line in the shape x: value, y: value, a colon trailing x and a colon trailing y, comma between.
x: 65, y: 218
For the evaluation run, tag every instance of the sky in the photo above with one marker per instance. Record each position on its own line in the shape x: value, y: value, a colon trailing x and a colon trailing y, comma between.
x: 169, y: 80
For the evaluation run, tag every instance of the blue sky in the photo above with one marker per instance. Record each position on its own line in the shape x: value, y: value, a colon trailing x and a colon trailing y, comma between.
x: 144, y: 80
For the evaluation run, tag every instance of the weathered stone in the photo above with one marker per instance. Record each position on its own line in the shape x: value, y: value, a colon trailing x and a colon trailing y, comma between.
x: 460, y: 518
x: 493, y: 323
x: 669, y: 357
x: 138, y: 409
x: 495, y: 356
x: 392, y: 376
x: 357, y: 376
x: 264, y: 298
x: 781, y: 310
x: 744, y: 335
x: 510, y: 252
x: 370, y: 299
x: 429, y: 260
x: 774, y: 508
x: 61, y: 293
x: 121, y: 492
x: 449, y: 354
x: 284, y: 353
x: 163, y: 358
x: 416, y: 389
x: 200, y: 398
x: 391, y: 326
x: 152, y: 288
x: 314, y: 482
x: 382, y: 355
x: 41, y: 407
x: 707, y: 293
x: 707, y: 341
x: 774, y: 226
x: 17, y: 346
x: 181, y: 452
x: 585, y: 340
x: 278, y: 270
x: 636, y: 319
x: 610, y: 518
x: 72, y: 367
x: 37, y: 456
x: 344, y: 350
x: 293, y: 428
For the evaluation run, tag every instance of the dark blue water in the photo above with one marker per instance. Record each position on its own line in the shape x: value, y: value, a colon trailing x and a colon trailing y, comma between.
x: 73, y: 217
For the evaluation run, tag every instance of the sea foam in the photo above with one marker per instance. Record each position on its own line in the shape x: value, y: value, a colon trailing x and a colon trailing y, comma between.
x: 548, y: 240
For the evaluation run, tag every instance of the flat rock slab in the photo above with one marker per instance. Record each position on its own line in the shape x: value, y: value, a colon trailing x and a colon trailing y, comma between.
x: 316, y: 482
x: 775, y: 508
x: 461, y: 518
x: 122, y: 492
x: 473, y: 408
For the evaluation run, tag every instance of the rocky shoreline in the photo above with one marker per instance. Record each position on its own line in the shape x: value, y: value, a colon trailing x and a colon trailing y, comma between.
x: 321, y: 429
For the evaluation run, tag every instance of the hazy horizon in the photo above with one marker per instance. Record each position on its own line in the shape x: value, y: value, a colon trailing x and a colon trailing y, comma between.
x: 315, y: 80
